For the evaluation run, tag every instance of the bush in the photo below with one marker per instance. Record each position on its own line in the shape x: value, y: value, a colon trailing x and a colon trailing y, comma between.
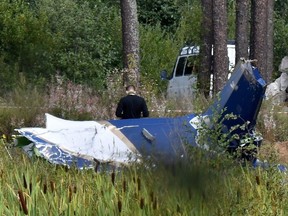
x: 24, y: 107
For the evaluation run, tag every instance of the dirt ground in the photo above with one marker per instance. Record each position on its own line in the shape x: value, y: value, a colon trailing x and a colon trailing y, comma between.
x: 277, y: 152
x: 282, y: 151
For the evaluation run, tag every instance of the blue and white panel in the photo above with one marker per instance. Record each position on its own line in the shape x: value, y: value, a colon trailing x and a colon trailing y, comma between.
x: 88, y: 140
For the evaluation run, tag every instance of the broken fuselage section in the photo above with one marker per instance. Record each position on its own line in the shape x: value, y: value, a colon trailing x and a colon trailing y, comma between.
x: 81, y: 143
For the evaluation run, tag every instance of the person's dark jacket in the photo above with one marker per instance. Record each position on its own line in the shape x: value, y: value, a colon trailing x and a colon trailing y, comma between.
x: 131, y: 106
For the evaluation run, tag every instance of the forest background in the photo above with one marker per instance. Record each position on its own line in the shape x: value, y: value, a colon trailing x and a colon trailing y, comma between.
x: 66, y: 56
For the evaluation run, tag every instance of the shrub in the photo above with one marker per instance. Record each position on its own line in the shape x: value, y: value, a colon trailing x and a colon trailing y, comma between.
x: 23, y: 107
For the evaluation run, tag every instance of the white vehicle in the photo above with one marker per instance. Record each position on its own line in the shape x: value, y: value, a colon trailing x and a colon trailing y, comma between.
x: 182, y: 81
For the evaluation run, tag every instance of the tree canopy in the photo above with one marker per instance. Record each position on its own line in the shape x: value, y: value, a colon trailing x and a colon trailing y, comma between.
x: 82, y: 41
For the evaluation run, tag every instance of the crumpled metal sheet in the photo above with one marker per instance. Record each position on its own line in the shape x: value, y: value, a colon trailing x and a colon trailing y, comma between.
x: 125, y: 141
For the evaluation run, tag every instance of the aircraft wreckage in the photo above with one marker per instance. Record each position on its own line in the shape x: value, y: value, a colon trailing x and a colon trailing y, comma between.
x: 82, y: 143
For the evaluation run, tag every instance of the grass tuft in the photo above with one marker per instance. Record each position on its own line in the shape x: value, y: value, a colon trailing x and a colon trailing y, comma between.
x: 214, y: 185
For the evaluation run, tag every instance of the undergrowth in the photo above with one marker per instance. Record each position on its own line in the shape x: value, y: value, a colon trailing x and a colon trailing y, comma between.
x: 201, y: 186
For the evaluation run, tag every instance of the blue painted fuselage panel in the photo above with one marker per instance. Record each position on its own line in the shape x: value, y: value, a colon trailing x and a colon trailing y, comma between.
x: 242, y: 95
x: 169, y: 136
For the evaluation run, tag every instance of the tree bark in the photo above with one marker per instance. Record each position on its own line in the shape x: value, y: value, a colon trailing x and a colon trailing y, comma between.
x: 220, y: 44
x: 270, y: 41
x: 259, y: 41
x: 130, y: 41
x: 242, y: 29
x: 206, y: 47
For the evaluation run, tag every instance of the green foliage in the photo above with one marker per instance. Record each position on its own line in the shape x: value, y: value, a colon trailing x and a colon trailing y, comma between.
x: 88, y: 38
x: 200, y: 187
x: 160, y: 44
x: 24, y: 42
x: 8, y: 75
x: 215, y: 136
x: 165, y: 13
x: 280, y: 8
x: 211, y: 132
x: 231, y: 7
x: 158, y: 52
x: 280, y: 34
x: 82, y: 40
x: 280, y: 41
x: 189, y: 30
x: 21, y: 108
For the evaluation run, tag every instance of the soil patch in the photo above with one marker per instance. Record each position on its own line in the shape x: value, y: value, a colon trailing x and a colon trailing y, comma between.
x: 282, y: 151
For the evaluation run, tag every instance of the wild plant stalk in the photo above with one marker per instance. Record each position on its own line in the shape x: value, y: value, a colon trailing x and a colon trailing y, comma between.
x: 202, y: 189
x: 204, y: 186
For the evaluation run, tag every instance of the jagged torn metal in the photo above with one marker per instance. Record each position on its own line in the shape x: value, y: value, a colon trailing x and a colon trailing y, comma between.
x: 125, y: 141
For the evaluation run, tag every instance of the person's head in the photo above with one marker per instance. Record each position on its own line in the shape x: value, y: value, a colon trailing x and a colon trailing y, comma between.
x: 130, y: 89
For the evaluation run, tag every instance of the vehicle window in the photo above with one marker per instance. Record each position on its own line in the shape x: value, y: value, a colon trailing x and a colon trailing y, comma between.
x: 180, y: 66
x: 192, y: 65
x: 188, y: 68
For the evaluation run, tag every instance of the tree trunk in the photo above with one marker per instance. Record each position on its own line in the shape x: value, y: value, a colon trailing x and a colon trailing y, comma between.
x: 130, y: 41
x: 270, y: 41
x: 259, y: 41
x: 206, y: 47
x: 242, y: 30
x: 220, y: 44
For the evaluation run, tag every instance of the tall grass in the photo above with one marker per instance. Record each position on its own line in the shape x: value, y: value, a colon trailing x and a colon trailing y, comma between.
x: 202, y: 186
x: 273, y: 121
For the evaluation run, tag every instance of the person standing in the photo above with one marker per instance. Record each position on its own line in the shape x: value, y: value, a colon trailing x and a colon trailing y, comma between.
x: 132, y: 105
